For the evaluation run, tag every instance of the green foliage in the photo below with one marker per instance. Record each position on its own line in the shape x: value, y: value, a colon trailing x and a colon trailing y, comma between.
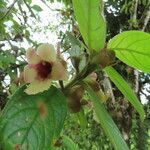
x: 125, y: 89
x: 106, y: 122
x: 73, y: 40
x: 37, y: 8
x: 66, y: 2
x: 90, y: 137
x: 3, y: 9
x: 69, y: 144
x: 82, y: 118
x: 76, y: 53
x: 89, y: 15
x: 29, y: 1
x: 23, y: 123
x: 33, y: 121
x: 133, y: 48
x: 6, y: 59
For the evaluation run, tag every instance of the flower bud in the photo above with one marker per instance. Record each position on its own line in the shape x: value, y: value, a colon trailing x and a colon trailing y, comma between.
x: 74, y: 98
x: 104, y: 58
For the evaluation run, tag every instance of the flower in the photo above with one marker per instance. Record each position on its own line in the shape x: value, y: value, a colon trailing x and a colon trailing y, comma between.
x: 43, y: 67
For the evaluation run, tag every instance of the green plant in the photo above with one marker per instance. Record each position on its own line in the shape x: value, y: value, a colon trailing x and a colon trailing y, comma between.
x: 35, y: 121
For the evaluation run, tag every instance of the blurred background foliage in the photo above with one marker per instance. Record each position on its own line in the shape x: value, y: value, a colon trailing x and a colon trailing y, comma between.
x: 20, y: 22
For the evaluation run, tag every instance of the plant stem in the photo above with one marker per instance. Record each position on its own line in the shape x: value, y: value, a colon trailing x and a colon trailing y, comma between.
x: 29, y: 8
x: 10, y: 8
x: 147, y: 18
x: 89, y: 68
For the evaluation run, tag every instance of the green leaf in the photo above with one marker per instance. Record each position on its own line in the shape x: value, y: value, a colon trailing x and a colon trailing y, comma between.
x: 72, y: 39
x: 32, y: 121
x: 37, y: 8
x: 78, y: 58
x: 133, y: 48
x: 125, y: 89
x: 29, y: 1
x: 92, y: 25
x: 82, y: 118
x: 6, y: 59
x: 108, y: 125
x: 69, y: 144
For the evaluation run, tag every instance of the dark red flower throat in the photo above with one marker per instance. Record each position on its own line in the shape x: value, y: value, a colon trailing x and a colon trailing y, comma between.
x: 44, y: 69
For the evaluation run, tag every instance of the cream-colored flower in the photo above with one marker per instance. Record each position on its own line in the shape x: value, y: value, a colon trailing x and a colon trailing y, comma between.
x: 43, y: 66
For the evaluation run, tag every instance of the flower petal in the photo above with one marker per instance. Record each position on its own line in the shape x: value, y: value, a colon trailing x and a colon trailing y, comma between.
x: 29, y: 74
x: 38, y: 86
x: 32, y: 57
x: 59, y: 72
x: 46, y: 52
